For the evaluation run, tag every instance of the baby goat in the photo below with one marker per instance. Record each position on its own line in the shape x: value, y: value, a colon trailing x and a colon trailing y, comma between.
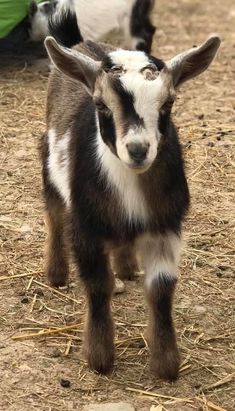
x: 96, y: 19
x: 112, y: 164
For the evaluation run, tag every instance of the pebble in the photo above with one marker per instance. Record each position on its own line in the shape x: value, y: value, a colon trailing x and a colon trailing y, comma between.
x: 199, y: 309
x: 119, y: 286
x: 24, y: 300
x: 55, y: 353
x: 39, y: 292
x: 110, y: 406
x: 156, y: 408
x: 65, y: 383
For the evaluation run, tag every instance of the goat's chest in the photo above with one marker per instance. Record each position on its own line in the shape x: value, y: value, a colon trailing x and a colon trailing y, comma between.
x: 124, y: 187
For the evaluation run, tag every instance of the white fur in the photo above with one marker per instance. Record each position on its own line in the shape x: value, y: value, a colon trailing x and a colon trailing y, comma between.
x: 130, y: 60
x: 149, y: 96
x: 125, y: 182
x: 58, y: 164
x: 159, y: 254
x: 39, y: 25
x: 96, y: 19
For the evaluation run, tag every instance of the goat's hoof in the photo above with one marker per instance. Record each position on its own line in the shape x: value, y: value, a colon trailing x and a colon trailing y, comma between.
x: 101, y: 360
x: 126, y: 275
x: 166, y: 366
x: 58, y: 278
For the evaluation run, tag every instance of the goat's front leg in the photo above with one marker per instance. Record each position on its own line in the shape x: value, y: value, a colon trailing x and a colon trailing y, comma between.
x: 98, y: 279
x: 160, y: 257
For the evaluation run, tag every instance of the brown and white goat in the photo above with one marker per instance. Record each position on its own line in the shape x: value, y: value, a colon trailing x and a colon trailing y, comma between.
x: 112, y: 164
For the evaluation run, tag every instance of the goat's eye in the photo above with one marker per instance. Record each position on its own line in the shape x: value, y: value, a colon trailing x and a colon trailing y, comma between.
x: 101, y: 107
x: 117, y: 70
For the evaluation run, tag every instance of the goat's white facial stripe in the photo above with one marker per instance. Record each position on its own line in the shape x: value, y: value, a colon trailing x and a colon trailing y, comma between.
x: 58, y: 164
x: 148, y: 98
x: 160, y: 255
x: 124, y: 182
x: 130, y: 60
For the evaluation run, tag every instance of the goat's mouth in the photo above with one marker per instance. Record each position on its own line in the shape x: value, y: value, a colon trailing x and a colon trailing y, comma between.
x: 138, y: 168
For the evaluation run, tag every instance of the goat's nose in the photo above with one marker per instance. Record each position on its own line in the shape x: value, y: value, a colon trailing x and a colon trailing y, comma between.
x: 137, y: 151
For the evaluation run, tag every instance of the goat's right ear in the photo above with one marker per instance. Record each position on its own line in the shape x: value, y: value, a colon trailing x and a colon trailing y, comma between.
x: 72, y: 63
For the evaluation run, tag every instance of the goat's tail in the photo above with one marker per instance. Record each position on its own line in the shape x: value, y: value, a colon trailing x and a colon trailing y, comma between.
x: 63, y: 26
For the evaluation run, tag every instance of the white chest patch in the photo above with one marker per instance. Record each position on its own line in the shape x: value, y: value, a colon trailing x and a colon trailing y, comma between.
x: 125, y: 183
x: 58, y: 164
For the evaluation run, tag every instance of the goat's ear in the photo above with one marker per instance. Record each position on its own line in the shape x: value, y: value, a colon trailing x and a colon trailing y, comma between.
x: 72, y: 63
x: 194, y: 61
x: 33, y: 7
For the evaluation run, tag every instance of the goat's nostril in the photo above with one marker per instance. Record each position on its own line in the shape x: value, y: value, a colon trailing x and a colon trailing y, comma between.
x: 137, y: 151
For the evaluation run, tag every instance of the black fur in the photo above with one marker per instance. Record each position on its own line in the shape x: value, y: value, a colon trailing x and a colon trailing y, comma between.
x: 95, y: 209
x: 141, y: 26
x: 127, y: 105
x: 158, y: 63
x: 107, y: 130
x: 64, y: 28
x: 97, y: 219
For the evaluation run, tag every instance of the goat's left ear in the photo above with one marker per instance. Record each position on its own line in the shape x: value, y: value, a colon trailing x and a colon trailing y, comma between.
x: 72, y: 63
x: 194, y: 61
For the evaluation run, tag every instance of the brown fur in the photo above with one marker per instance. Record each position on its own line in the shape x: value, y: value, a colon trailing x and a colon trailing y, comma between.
x: 56, y: 256
x: 96, y: 217
x: 165, y: 358
x: 124, y: 262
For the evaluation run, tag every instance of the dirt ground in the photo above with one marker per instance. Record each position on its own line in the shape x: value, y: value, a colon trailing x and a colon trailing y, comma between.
x: 33, y: 369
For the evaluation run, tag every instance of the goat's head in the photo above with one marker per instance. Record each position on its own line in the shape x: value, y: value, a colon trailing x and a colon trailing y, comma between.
x: 131, y: 91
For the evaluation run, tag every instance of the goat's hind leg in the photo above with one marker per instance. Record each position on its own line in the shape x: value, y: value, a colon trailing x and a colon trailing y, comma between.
x: 160, y: 260
x: 55, y: 251
x: 124, y: 262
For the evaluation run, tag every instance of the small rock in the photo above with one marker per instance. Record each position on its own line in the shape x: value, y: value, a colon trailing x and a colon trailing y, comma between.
x: 119, y: 286
x: 158, y: 407
x: 201, y: 116
x: 39, y: 292
x: 55, y: 353
x: 25, y: 228
x: 24, y: 300
x: 199, y: 309
x: 110, y: 406
x: 65, y: 383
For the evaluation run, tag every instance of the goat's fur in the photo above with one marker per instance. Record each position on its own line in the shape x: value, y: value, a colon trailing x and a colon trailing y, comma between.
x: 119, y: 201
x: 94, y: 20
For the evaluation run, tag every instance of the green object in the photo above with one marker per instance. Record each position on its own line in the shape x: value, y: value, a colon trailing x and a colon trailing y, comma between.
x: 12, y: 12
